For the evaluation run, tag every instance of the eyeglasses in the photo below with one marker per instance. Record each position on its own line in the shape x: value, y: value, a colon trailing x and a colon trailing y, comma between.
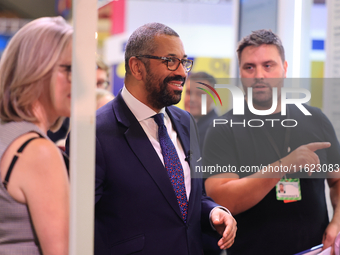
x: 68, y: 69
x: 103, y: 84
x: 172, y: 62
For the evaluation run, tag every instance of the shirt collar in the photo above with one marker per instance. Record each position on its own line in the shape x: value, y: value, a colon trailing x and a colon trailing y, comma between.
x: 140, y: 110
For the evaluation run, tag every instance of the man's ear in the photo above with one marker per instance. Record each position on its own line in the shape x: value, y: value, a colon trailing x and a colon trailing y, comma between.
x: 136, y: 67
x: 285, y: 66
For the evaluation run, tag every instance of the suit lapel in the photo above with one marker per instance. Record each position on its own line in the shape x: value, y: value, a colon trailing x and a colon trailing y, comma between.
x: 144, y: 151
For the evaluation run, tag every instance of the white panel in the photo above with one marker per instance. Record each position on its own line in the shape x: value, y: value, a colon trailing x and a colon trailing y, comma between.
x: 198, y: 40
x: 292, y: 21
x: 205, y: 29
x: 83, y: 127
x: 206, y: 41
x: 332, y: 65
x: 114, y: 48
x: 141, y: 12
x: 331, y: 95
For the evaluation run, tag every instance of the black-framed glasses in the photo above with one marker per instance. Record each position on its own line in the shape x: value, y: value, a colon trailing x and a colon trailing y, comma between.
x: 68, y: 69
x: 172, y: 62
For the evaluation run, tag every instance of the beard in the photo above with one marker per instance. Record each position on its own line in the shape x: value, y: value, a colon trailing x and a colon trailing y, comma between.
x: 159, y: 94
x: 265, y: 98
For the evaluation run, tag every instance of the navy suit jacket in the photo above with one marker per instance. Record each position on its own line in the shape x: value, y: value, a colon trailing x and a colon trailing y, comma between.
x: 136, y: 209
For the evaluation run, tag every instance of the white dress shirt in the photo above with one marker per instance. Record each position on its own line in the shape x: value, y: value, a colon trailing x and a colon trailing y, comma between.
x: 144, y: 115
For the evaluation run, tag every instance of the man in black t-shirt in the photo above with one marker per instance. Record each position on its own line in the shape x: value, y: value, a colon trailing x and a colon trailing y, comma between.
x: 253, y: 196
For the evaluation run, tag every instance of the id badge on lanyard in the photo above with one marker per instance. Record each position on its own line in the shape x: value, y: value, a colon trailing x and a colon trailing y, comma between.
x: 287, y: 189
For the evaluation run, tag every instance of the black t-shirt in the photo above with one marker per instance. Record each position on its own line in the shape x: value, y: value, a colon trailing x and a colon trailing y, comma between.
x: 272, y: 226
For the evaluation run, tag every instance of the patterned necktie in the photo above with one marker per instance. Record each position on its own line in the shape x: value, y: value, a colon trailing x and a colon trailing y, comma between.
x: 172, y: 165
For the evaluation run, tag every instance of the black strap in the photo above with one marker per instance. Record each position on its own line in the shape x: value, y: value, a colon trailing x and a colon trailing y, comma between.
x: 66, y: 161
x: 15, y: 158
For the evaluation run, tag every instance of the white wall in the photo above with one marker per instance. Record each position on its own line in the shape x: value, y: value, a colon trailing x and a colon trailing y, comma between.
x: 207, y: 30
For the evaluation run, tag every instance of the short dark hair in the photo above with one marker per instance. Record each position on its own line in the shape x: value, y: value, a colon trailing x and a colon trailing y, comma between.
x: 141, y: 42
x: 258, y: 38
x: 203, y: 76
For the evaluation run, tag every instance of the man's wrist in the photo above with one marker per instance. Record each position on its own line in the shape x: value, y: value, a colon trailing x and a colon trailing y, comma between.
x: 216, y: 208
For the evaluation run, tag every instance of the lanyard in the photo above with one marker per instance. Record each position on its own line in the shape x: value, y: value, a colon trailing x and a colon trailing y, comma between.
x: 286, y: 141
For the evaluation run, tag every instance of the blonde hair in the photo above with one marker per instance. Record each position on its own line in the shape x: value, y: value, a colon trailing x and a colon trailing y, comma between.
x: 101, y: 94
x: 27, y: 65
x: 102, y: 65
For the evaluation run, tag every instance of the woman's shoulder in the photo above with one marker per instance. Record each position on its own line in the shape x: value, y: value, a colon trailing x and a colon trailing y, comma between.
x: 13, y: 135
x: 38, y: 161
x: 10, y: 131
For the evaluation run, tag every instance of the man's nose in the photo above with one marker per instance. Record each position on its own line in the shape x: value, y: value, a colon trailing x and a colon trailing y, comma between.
x: 181, y: 70
x: 259, y: 73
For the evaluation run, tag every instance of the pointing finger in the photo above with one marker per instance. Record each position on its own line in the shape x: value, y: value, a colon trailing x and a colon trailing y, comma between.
x: 318, y: 146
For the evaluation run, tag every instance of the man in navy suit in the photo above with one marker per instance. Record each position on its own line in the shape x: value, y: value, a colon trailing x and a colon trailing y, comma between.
x: 136, y: 208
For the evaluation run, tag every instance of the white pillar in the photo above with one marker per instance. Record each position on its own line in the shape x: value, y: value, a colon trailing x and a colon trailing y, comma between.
x: 332, y: 67
x: 82, y: 150
x: 331, y: 88
x: 294, y: 31
x: 236, y: 24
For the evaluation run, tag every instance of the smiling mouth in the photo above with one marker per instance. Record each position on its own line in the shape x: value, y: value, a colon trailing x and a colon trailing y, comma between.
x: 179, y: 85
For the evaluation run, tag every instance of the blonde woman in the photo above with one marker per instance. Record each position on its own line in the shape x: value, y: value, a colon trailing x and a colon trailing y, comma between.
x: 103, y: 96
x: 35, y: 91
